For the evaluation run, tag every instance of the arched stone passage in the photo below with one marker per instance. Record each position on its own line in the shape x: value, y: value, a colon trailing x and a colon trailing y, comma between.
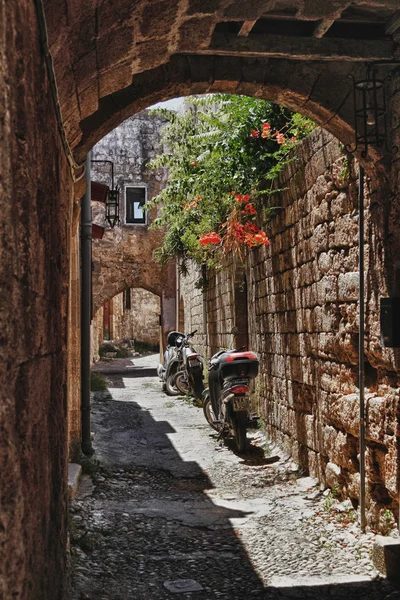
x: 113, y: 59
x: 100, y: 48
x: 131, y: 315
x: 321, y: 91
x: 114, y: 277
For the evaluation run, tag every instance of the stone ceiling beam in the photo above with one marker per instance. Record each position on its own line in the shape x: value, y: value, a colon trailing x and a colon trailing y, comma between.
x: 393, y: 24
x: 246, y: 28
x: 296, y: 48
x: 322, y: 27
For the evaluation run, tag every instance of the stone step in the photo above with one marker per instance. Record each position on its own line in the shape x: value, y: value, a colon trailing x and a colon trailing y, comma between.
x: 386, y: 556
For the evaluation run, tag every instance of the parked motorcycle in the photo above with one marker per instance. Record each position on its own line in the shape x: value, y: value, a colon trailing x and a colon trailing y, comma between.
x: 170, y: 366
x: 189, y: 376
x: 226, y: 402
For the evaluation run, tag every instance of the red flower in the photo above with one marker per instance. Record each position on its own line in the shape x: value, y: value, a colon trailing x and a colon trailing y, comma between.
x: 233, y: 193
x: 266, y: 133
x: 190, y: 205
x: 280, y: 138
x: 193, y: 163
x: 261, y: 238
x: 209, y: 238
x: 244, y: 198
x: 249, y: 210
x: 293, y: 139
x: 266, y: 126
x: 254, y: 133
x: 238, y: 230
x: 251, y: 228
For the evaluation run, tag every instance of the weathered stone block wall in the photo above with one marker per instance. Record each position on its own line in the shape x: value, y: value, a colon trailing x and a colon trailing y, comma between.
x: 124, y: 257
x: 211, y: 311
x: 143, y: 319
x: 97, y: 335
x: 139, y: 323
x: 303, y: 322
x: 35, y: 196
x: 74, y: 345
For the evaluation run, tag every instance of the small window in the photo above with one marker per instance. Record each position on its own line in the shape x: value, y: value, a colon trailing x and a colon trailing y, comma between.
x: 135, y: 200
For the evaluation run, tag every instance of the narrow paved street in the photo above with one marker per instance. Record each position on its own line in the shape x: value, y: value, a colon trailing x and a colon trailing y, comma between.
x: 169, y: 502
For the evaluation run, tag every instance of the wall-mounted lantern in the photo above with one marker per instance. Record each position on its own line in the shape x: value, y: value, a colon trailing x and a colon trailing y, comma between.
x: 112, y: 207
x: 370, y: 111
x: 112, y: 200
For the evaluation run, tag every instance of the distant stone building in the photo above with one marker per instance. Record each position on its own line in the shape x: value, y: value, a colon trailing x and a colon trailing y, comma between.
x: 130, y: 290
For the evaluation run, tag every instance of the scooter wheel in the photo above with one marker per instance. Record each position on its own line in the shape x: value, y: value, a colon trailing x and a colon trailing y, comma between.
x: 180, y: 381
x: 209, y: 413
x: 170, y: 386
x: 240, y: 420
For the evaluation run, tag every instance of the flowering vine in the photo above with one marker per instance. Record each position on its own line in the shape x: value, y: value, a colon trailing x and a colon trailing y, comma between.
x: 224, y: 154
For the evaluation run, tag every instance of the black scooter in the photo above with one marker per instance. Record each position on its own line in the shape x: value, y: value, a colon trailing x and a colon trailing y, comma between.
x: 226, y: 402
x: 170, y: 366
x: 189, y: 377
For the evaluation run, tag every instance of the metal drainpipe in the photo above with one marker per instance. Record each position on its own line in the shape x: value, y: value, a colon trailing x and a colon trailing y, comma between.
x: 361, y: 343
x: 86, y: 309
x: 178, y: 295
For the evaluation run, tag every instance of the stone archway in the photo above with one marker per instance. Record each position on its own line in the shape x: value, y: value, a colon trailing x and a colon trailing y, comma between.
x: 296, y: 54
x: 124, y: 259
x: 132, y: 315
x: 113, y: 59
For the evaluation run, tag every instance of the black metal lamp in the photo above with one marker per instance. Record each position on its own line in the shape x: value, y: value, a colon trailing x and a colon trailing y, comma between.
x: 370, y: 112
x: 112, y: 207
x: 112, y: 201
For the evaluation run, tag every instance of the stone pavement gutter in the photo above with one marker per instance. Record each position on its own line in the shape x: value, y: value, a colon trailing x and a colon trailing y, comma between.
x: 170, y: 511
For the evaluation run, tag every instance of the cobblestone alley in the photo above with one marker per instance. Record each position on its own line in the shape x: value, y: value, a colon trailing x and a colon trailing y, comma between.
x: 171, y: 512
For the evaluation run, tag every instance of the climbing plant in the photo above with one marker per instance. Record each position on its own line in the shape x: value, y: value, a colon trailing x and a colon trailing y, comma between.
x: 223, y: 154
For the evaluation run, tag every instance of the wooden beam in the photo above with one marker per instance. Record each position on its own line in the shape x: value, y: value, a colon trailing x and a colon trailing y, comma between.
x: 246, y: 28
x: 393, y: 24
x: 322, y: 27
x: 299, y: 48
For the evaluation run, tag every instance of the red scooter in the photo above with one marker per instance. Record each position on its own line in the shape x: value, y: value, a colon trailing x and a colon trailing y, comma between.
x: 226, y: 402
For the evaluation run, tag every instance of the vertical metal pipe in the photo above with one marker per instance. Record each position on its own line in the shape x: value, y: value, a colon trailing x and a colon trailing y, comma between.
x: 86, y: 309
x: 361, y: 343
x: 178, y: 294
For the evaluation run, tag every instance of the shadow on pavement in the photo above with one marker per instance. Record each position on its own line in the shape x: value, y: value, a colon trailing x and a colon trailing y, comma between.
x: 166, y: 528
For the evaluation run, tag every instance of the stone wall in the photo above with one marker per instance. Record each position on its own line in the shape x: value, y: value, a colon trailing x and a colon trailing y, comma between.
x: 35, y: 199
x: 143, y: 319
x: 74, y: 345
x: 303, y: 323
x: 139, y: 323
x: 124, y: 257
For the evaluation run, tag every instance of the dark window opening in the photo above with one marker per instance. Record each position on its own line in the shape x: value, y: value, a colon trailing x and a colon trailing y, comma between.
x: 290, y: 27
x: 228, y: 27
x: 135, y: 201
x: 357, y: 31
x: 127, y: 299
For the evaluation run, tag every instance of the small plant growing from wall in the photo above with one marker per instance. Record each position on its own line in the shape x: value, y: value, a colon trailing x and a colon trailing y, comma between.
x: 97, y: 383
